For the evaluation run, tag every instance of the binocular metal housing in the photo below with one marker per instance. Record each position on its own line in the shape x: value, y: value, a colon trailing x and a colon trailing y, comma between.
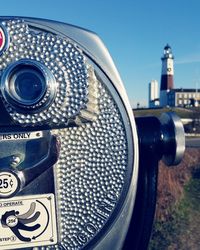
x: 77, y: 170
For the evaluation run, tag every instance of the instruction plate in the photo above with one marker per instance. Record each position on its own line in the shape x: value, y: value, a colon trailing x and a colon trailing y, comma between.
x: 28, y: 221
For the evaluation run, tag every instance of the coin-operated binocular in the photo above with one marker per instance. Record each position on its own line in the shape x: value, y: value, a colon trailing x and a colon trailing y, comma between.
x: 76, y: 170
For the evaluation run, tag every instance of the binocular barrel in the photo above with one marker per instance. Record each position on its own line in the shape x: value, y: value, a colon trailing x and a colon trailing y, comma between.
x: 76, y: 167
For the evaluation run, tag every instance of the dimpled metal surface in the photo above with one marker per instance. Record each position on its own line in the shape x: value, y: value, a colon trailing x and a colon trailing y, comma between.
x: 90, y: 174
x: 65, y: 61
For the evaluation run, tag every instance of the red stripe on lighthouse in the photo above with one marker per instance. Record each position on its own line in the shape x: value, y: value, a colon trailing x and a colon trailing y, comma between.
x: 167, y: 82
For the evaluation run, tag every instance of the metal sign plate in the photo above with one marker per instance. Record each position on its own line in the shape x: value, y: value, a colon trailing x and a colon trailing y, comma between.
x: 28, y: 221
x: 20, y: 136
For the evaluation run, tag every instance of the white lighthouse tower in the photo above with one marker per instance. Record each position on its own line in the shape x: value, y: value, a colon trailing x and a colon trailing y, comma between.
x: 167, y: 77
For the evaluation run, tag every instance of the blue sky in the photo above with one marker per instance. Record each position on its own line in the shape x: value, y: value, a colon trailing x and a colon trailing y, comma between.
x: 135, y: 33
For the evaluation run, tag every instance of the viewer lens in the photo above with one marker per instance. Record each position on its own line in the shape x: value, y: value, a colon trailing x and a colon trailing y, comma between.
x: 27, y: 84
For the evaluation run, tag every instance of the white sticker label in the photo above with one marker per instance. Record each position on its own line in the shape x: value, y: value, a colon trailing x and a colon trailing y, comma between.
x: 20, y: 136
x: 28, y: 221
x: 9, y: 184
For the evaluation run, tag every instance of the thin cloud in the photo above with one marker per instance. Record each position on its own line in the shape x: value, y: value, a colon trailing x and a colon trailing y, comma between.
x: 189, y: 59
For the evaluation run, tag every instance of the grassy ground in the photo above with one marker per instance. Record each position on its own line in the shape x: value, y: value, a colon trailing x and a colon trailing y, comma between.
x: 177, y: 224
x: 184, y: 113
x: 182, y: 229
x: 181, y: 112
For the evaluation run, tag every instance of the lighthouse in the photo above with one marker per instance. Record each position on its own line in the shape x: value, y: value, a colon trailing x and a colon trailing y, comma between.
x: 167, y: 76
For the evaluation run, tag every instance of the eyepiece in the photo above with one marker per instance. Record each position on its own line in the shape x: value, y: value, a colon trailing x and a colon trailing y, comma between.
x: 28, y: 84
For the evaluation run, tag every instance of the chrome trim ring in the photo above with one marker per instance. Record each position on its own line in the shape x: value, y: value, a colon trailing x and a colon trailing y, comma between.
x: 8, y: 88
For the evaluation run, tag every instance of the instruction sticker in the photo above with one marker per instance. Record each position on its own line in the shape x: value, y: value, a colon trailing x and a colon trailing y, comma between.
x: 28, y: 221
x: 18, y: 136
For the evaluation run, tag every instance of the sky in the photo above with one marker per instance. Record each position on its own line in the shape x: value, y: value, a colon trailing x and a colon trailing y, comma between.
x: 135, y: 33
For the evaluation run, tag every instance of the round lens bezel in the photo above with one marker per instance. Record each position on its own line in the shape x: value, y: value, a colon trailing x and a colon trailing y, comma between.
x: 8, y: 85
x: 19, y: 71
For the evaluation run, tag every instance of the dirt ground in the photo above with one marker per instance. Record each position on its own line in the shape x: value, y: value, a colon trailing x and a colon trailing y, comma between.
x: 177, y: 219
